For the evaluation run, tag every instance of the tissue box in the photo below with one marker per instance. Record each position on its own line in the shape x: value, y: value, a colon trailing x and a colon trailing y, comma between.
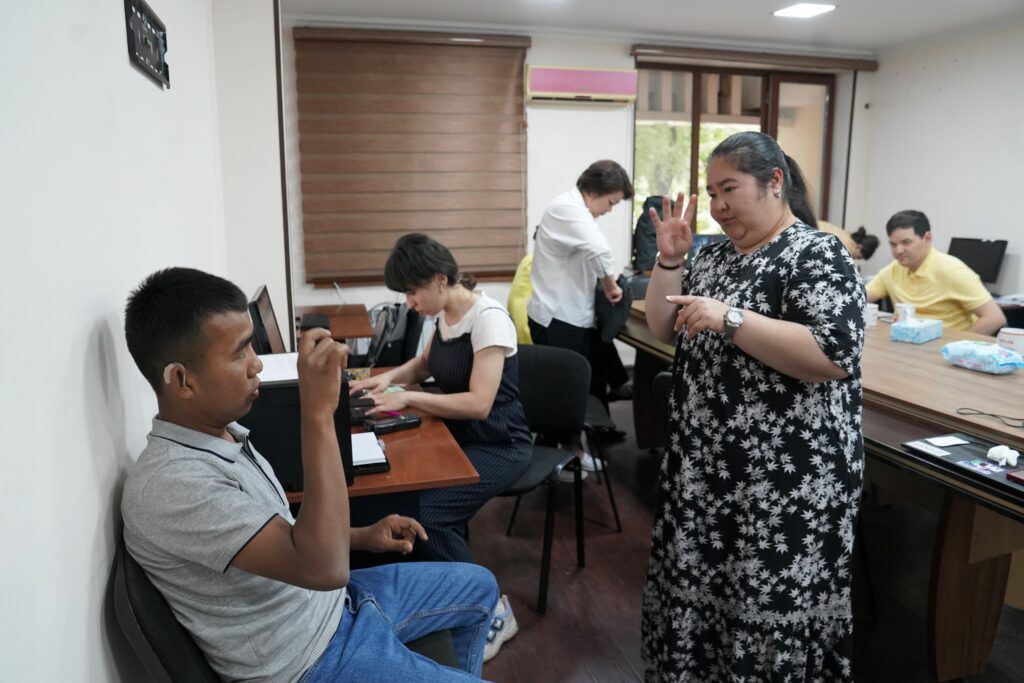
x: 916, y: 330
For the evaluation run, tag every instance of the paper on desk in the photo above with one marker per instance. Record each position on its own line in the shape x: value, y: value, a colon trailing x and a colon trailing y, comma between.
x: 943, y: 441
x: 279, y: 367
x: 366, y: 449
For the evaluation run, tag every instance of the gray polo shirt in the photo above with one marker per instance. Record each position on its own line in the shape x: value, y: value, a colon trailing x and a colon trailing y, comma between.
x: 191, y: 503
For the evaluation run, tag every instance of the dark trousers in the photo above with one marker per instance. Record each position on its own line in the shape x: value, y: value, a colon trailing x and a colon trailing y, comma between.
x: 606, y: 369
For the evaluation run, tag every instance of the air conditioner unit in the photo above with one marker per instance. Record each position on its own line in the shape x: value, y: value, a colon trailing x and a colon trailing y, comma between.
x: 588, y: 85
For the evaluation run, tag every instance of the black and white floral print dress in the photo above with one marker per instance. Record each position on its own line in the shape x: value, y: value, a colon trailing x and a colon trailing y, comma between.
x: 749, y: 576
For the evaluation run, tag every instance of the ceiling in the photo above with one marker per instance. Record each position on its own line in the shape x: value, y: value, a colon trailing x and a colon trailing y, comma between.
x: 856, y: 27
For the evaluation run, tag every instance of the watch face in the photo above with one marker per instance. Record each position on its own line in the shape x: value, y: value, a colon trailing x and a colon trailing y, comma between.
x: 734, y: 317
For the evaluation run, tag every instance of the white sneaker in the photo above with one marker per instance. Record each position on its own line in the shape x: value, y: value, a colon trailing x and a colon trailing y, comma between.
x: 566, y: 477
x: 503, y: 627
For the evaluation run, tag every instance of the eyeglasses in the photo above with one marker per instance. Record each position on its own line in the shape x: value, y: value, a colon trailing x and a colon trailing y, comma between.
x: 1015, y: 422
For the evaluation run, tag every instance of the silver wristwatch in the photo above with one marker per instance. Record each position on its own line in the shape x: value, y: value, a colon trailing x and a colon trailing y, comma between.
x: 733, y: 320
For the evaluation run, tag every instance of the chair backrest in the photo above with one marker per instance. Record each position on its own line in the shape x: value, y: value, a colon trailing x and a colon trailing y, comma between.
x: 553, y: 387
x: 164, y: 646
x: 645, y: 244
x: 662, y: 390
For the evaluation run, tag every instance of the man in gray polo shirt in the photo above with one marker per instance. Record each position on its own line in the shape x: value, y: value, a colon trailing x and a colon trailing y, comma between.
x: 266, y: 596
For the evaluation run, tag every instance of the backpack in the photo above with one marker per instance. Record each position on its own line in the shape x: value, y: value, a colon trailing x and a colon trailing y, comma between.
x: 396, y: 331
x: 645, y: 242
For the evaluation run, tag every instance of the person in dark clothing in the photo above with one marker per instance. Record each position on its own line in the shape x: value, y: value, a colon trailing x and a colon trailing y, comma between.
x: 749, y: 574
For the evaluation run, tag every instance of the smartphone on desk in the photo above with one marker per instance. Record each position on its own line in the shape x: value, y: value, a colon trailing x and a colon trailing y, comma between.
x: 361, y: 399
x: 1016, y: 476
x: 385, y: 424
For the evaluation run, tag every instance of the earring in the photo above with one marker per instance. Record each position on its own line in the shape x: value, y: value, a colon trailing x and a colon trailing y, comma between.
x: 777, y: 194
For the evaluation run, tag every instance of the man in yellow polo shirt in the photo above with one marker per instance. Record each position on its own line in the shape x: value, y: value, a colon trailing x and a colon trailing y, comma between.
x: 938, y: 285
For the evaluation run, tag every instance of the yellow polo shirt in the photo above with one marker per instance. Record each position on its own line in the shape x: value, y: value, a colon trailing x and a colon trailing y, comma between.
x: 518, y: 295
x: 942, y: 287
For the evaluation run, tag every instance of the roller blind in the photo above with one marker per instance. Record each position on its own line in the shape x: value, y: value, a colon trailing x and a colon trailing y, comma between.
x: 401, y: 133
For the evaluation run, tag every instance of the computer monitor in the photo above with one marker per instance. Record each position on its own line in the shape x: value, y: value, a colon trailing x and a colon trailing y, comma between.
x: 984, y: 257
x: 274, y: 422
x: 266, y: 336
x: 702, y: 240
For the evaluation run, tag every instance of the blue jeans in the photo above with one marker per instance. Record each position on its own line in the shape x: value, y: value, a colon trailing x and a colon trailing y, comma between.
x: 393, y: 604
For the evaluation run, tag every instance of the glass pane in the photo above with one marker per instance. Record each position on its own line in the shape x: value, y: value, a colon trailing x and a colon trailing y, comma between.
x: 663, y: 135
x: 802, y: 110
x: 730, y: 103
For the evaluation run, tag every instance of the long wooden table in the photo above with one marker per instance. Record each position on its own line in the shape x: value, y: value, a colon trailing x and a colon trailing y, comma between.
x: 911, y: 392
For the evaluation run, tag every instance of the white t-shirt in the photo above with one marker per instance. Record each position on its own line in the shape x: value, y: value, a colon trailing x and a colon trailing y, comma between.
x: 570, y: 255
x: 488, y: 323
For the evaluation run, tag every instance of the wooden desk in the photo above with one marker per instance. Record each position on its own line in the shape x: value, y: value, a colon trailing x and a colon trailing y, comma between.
x: 652, y: 357
x: 911, y: 392
x: 348, y: 321
x: 914, y: 380
x: 422, y: 458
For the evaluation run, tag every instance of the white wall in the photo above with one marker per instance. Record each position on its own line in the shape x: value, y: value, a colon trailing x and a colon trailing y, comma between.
x: 947, y: 138
x: 104, y: 178
x: 246, y: 68
x: 563, y: 138
x: 847, y: 192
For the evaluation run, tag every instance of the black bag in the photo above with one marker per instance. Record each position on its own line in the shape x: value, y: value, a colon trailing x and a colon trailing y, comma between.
x: 645, y: 243
x: 396, y: 328
x: 612, y: 317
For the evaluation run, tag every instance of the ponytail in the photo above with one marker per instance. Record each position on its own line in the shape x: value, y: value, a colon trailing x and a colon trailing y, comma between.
x: 796, y: 193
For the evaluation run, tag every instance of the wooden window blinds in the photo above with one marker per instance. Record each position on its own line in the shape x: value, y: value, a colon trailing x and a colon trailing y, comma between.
x: 403, y: 132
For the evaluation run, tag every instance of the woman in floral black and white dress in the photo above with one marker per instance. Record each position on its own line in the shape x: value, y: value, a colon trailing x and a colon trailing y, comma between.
x: 749, y: 576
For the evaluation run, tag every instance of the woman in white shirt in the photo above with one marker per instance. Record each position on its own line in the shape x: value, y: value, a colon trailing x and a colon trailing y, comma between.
x: 472, y: 357
x: 570, y: 257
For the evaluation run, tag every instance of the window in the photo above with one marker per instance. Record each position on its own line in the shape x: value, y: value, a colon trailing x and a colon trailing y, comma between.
x: 689, y: 100
x: 407, y: 133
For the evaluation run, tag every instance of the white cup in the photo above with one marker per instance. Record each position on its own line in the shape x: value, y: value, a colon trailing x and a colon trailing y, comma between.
x: 1011, y: 338
x: 903, y: 312
x: 870, y: 315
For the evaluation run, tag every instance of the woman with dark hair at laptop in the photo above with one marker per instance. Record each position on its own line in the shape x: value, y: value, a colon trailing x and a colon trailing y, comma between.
x: 472, y: 357
x: 859, y: 243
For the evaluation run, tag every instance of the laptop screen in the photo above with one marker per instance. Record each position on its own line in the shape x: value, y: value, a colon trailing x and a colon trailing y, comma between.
x: 266, y: 333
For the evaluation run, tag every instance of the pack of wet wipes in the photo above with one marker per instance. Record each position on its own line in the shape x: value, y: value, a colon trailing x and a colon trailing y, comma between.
x: 982, y: 356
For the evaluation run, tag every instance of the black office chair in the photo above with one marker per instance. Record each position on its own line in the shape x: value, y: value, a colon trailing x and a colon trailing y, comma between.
x: 167, y: 650
x: 597, y: 420
x: 661, y: 389
x: 553, y: 388
x: 164, y: 646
